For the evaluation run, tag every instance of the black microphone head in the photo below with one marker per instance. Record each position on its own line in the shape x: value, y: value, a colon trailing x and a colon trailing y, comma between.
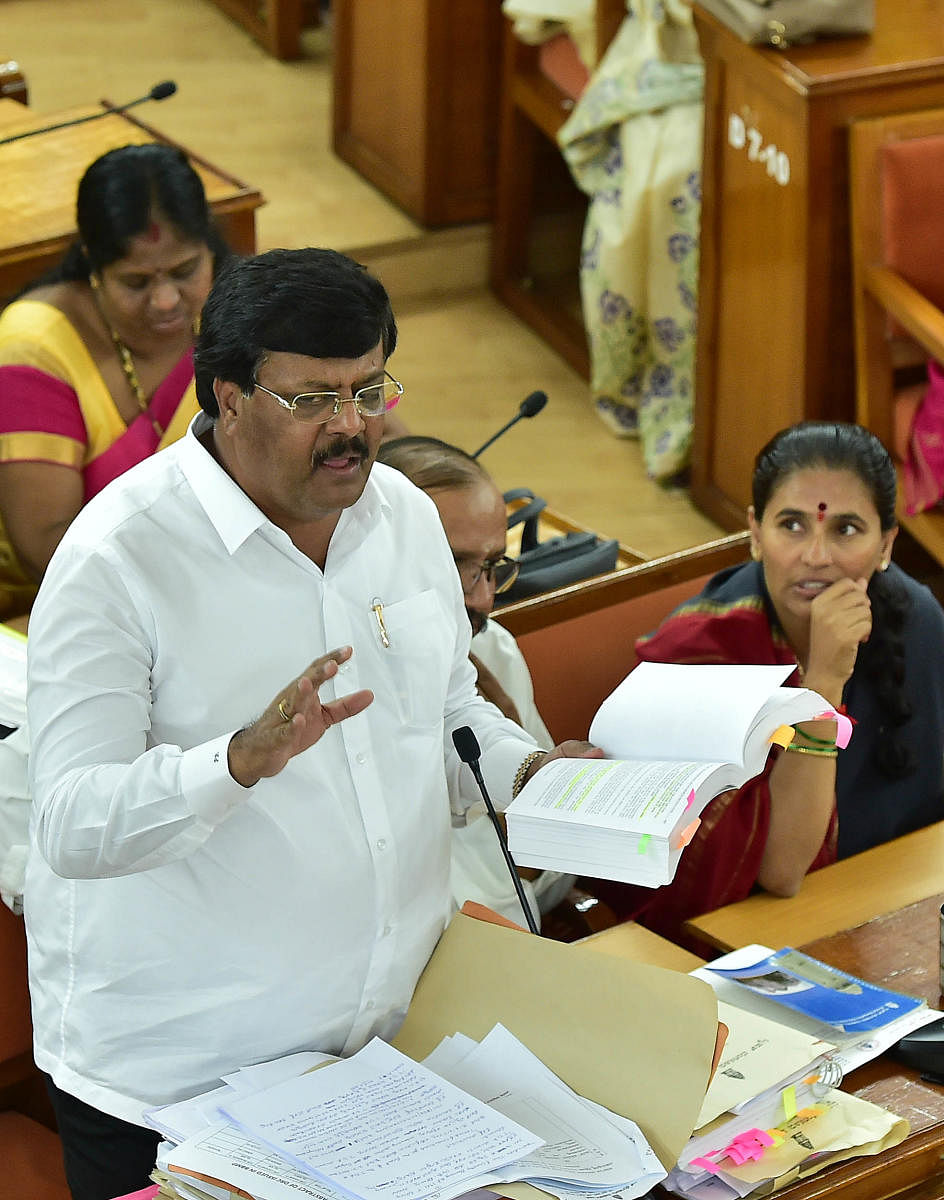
x: 466, y: 744
x: 532, y: 405
x: 160, y: 91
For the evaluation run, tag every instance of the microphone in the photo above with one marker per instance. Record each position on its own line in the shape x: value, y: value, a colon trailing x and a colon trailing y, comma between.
x: 529, y: 407
x: 467, y: 747
x: 160, y: 91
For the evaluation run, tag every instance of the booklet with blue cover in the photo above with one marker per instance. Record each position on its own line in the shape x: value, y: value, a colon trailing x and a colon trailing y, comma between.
x: 825, y: 993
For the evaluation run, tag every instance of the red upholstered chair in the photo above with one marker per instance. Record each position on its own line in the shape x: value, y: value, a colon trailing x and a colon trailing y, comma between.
x: 897, y: 230
x: 30, y: 1153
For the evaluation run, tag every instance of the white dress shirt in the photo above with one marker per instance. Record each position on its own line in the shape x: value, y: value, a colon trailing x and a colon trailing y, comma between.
x: 180, y: 925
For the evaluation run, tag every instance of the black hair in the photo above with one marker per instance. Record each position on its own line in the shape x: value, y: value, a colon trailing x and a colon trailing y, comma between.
x: 432, y: 464
x: 118, y: 197
x: 843, y: 447
x: 314, y: 302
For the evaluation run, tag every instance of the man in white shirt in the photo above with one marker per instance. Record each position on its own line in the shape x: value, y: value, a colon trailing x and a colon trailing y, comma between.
x: 473, y: 514
x: 246, y: 662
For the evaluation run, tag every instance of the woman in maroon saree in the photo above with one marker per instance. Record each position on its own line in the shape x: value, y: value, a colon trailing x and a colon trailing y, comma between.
x: 822, y: 595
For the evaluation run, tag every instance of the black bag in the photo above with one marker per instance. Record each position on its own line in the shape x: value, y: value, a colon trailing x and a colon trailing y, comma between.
x: 567, y: 558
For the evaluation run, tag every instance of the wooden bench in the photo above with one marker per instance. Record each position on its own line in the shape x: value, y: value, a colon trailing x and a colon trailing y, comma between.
x: 579, y: 641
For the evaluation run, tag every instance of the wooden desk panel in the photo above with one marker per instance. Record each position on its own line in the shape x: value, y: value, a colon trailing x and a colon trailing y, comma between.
x: 641, y: 945
x: 41, y: 175
x: 775, y: 310
x: 841, y: 896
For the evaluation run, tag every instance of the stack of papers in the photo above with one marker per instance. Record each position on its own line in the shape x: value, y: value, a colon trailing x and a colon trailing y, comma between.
x: 380, y: 1126
x: 777, y: 1130
x: 675, y: 736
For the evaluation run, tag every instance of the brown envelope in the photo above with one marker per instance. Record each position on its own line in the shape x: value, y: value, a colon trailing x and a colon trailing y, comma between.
x: 638, y: 1039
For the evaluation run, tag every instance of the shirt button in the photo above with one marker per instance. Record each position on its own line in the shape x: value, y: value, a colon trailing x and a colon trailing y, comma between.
x: 381, y: 843
x: 361, y: 759
x: 388, y: 929
x: 369, y: 1005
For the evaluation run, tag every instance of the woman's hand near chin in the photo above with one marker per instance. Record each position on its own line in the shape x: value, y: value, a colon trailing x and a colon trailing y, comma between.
x: 840, y: 621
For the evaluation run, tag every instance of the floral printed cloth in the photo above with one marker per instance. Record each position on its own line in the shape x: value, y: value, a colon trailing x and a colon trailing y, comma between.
x: 633, y: 144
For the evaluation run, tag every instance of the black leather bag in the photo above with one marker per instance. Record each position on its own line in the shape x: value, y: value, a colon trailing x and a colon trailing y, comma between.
x: 567, y: 558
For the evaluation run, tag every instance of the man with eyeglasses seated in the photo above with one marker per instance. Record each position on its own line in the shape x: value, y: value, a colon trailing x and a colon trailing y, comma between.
x: 247, y: 660
x: 473, y: 515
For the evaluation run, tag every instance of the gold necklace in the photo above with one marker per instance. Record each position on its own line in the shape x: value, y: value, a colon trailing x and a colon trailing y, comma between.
x: 127, y: 362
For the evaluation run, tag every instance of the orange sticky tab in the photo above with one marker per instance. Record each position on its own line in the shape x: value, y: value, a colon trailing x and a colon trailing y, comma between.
x: 686, y: 834
x: 782, y: 736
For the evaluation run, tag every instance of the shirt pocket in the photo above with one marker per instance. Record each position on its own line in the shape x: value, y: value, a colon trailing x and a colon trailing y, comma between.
x: 419, y: 658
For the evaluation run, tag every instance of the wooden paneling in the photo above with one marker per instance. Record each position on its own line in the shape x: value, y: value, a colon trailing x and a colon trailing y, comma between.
x: 775, y: 310
x: 415, y: 102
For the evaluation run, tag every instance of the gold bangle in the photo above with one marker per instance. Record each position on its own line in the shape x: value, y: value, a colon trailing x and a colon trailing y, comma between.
x: 518, y: 782
x: 794, y: 749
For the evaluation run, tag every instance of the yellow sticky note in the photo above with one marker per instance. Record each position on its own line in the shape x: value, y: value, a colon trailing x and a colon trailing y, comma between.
x: 782, y: 736
x: 789, y: 1097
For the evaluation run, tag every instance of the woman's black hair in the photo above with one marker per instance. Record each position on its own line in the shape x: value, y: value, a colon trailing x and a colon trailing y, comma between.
x: 119, y: 196
x: 843, y: 447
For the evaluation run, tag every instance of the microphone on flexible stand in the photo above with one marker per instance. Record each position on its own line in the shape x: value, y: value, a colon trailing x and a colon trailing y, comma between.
x: 467, y: 747
x: 529, y: 407
x: 160, y: 91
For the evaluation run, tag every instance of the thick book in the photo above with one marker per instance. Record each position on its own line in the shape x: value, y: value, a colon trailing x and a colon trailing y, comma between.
x: 675, y: 736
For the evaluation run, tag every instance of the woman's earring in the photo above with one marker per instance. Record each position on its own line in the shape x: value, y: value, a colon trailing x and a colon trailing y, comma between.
x: 884, y: 565
x: 755, y: 553
x: 94, y: 281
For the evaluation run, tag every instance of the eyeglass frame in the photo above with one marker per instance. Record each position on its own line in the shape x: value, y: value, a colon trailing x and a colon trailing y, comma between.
x: 487, y: 568
x: 339, y: 401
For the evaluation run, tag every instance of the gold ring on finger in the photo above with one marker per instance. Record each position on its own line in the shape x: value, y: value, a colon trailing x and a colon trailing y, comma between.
x: 284, y: 713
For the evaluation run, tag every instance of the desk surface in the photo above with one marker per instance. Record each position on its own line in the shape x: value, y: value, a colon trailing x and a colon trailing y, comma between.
x: 900, y: 950
x: 841, y: 896
x: 41, y: 174
x: 642, y: 945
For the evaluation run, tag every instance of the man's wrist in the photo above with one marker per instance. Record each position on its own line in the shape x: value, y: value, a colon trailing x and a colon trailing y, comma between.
x: 526, y: 770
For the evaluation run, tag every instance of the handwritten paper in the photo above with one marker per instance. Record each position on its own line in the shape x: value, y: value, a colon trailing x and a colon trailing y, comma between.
x: 382, y: 1127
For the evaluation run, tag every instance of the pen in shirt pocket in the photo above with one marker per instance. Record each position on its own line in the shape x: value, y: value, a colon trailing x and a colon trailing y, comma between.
x: 378, y: 610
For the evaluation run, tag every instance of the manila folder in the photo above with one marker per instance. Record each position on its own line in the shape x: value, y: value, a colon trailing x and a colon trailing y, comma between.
x: 635, y: 1038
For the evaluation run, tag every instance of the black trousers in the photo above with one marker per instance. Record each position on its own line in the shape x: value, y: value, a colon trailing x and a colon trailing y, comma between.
x: 104, y: 1156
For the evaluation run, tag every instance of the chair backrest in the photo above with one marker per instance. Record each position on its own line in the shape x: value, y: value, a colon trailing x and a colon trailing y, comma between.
x: 579, y: 641
x: 896, y: 177
x: 16, y: 1035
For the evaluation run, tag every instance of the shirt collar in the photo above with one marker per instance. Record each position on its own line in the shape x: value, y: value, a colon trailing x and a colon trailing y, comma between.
x: 231, y: 512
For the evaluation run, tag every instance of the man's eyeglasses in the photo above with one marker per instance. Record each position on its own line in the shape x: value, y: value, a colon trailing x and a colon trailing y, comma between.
x: 318, y: 407
x: 501, y: 572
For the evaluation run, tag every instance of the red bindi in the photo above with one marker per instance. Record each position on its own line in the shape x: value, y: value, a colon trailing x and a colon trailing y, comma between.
x: 153, y: 232
x: 821, y: 513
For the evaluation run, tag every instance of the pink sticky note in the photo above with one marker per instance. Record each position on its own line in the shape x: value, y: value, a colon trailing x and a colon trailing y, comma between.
x: 706, y: 1165
x: 686, y: 834
x: 843, y: 726
x: 691, y: 799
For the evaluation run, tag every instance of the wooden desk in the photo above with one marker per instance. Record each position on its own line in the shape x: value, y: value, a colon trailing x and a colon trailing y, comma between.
x: 901, y: 951
x: 775, y: 294
x: 841, y: 896
x: 641, y: 945
x: 41, y: 175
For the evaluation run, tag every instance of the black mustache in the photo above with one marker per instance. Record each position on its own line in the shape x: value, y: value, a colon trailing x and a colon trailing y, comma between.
x: 355, y: 447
